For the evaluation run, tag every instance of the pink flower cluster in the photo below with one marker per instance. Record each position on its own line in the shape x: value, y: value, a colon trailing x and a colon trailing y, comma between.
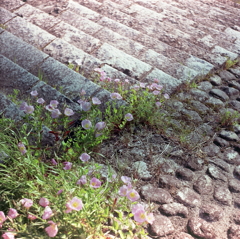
x: 140, y: 215
x: 28, y: 109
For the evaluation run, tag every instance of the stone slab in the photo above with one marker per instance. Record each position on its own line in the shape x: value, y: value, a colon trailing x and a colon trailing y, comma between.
x: 75, y: 37
x: 20, y: 52
x: 36, y: 16
x: 5, y: 15
x: 29, y: 33
x: 11, y: 4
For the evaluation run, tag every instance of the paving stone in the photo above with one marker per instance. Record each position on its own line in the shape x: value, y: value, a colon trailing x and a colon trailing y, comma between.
x: 11, y: 5
x: 235, y: 104
x: 174, y: 209
x: 221, y: 142
x: 216, y: 80
x: 199, y: 107
x: 188, y: 197
x: 219, y: 94
x: 234, y: 185
x: 211, y: 150
x: 234, y: 232
x: 5, y: 15
x: 235, y: 71
x: 195, y: 164
x: 158, y: 195
x: 201, y: 229
x: 211, y: 212
x: 214, y: 102
x: 234, y: 84
x: 237, y: 200
x: 237, y: 171
x: 231, y: 156
x: 183, y: 235
x: 20, y: 52
x: 231, y: 92
x: 205, y: 86
x: 184, y: 174
x: 192, y: 115
x: 168, y: 181
x: 227, y: 76
x: 161, y: 226
x: 223, y: 195
x: 236, y: 128
x: 216, y: 173
x: 76, y: 37
x: 29, y: 33
x: 36, y: 16
x: 236, y: 217
x: 142, y: 170
x: 220, y: 163
x: 229, y: 135
x: 199, y: 95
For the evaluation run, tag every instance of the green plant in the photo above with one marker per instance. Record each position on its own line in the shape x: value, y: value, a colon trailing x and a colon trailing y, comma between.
x: 228, y: 118
x: 229, y: 63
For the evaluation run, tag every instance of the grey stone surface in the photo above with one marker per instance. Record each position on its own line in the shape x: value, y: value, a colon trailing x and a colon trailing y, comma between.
x: 205, y: 86
x: 142, y: 170
x: 174, y: 209
x: 231, y: 92
x: 223, y: 195
x: 219, y: 94
x: 216, y: 173
x: 203, y: 185
x: 229, y: 135
x: 188, y: 197
x: 227, y: 76
x: 184, y: 174
x: 216, y: 80
x: 5, y: 15
x: 211, y: 212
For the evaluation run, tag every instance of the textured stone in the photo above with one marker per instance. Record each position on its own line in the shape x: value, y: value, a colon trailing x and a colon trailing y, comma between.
x: 236, y: 216
x: 234, y: 84
x: 216, y: 80
x: 191, y: 115
x: 174, y: 209
x: 231, y: 92
x: 234, y: 185
x: 229, y: 135
x: 234, y: 232
x: 5, y: 15
x: 141, y: 168
x: 201, y: 229
x: 214, y: 102
x: 188, y: 197
x: 199, y: 95
x: 219, y: 94
x: 227, y: 76
x: 199, y: 107
x: 220, y: 163
x: 221, y: 142
x: 203, y: 185
x: 216, y: 173
x: 211, y: 150
x: 168, y: 181
x: 237, y: 171
x: 235, y: 104
x: 185, y: 174
x: 231, y: 156
x: 183, y: 235
x: 161, y: 226
x: 195, y: 164
x: 223, y: 195
x: 158, y: 195
x: 205, y: 86
x: 211, y: 212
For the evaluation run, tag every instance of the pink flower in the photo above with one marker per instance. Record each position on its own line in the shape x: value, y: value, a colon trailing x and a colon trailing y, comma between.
x: 8, y: 235
x: 126, y: 81
x: 47, y: 213
x: 82, y: 180
x: 68, y: 112
x: 156, y: 92
x: 126, y: 179
x: 55, y: 113
x: 44, y: 202
x: 96, y: 101
x: 86, y: 106
x: 29, y: 109
x: 12, y: 213
x: 140, y: 216
x: 86, y: 124
x: 54, y: 104
x: 159, y: 87
x: 115, y: 96
x: 95, y: 183
x: 135, y: 87
x: 132, y: 195
x: 100, y: 125
x: 117, y: 80
x: 85, y: 157
x: 74, y: 204
x: 158, y: 104
x: 27, y: 203
x: 40, y: 101
x: 142, y: 85
x: 123, y: 190
x: 23, y: 106
x: 150, y: 218
x: 60, y: 191
x: 67, y: 165
x: 34, y: 93
x: 156, y: 80
x: 2, y: 218
x: 54, y: 162
x: 52, y: 230
x: 137, y: 207
x: 49, y: 108
x: 31, y: 217
x: 129, y: 117
x: 83, y: 92
x: 166, y: 96
x: 22, y: 148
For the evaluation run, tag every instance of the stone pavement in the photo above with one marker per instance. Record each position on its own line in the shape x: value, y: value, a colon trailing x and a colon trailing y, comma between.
x: 174, y: 41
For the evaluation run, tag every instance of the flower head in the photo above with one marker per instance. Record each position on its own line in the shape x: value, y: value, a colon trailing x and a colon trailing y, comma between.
x: 156, y: 92
x: 140, y: 216
x: 86, y: 124
x: 54, y: 104
x: 40, y: 101
x: 85, y: 157
x: 115, y: 96
x: 86, y: 106
x: 123, y: 190
x: 68, y: 112
x: 166, y: 96
x: 8, y: 235
x: 12, y: 213
x: 55, y: 113
x: 126, y: 179
x: 44, y: 202
x: 137, y: 207
x: 95, y: 183
x: 74, y: 204
x: 60, y: 191
x: 129, y: 117
x: 82, y: 180
x: 2, y: 218
x: 47, y: 213
x: 31, y: 217
x: 27, y: 203
x: 52, y: 230
x: 34, y: 93
x: 158, y: 104
x: 22, y: 148
x: 29, y: 109
x: 100, y: 125
x: 54, y: 162
x: 132, y: 195
x: 23, y: 106
x: 67, y: 165
x: 96, y: 101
